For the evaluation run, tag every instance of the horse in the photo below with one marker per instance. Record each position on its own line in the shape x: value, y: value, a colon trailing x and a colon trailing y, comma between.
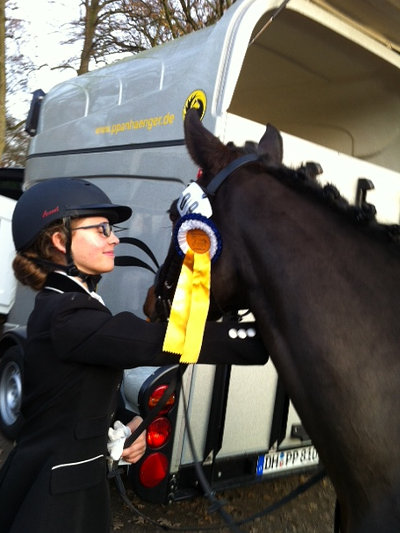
x: 321, y: 278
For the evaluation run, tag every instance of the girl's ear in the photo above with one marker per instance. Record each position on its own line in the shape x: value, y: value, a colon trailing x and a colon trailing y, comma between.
x: 58, y: 240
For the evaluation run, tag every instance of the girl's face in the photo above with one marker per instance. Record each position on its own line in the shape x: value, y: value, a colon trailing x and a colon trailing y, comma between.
x: 92, y: 250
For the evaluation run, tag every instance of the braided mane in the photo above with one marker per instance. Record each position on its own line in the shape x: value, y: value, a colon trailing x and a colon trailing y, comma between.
x: 304, y: 179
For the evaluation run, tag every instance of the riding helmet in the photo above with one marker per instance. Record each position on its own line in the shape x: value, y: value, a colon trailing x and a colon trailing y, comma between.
x: 56, y: 199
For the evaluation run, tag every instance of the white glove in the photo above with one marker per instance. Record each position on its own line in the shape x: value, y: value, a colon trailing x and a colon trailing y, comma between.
x: 116, y: 439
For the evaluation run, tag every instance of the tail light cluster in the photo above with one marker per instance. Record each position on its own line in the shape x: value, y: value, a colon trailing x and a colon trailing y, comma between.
x: 155, y: 465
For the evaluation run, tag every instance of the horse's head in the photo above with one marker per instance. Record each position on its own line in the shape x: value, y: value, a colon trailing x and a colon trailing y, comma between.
x: 213, y: 157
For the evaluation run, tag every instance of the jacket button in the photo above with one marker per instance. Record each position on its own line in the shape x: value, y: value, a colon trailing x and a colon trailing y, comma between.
x: 251, y: 332
x: 233, y: 333
x: 242, y: 333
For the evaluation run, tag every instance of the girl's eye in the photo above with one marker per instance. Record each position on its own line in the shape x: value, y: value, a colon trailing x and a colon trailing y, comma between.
x: 106, y: 229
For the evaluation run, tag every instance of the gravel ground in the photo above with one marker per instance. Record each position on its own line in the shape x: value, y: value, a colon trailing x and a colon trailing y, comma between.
x: 311, y: 512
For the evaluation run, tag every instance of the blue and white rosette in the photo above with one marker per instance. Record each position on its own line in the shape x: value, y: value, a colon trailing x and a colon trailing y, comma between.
x: 195, y: 221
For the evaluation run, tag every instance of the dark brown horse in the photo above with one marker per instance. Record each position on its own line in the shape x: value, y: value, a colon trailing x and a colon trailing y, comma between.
x: 323, y: 283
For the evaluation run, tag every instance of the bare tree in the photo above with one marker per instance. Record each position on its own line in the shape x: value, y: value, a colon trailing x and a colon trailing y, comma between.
x: 108, y: 27
x: 14, y: 70
x: 16, y: 143
x: 143, y: 24
x: 95, y: 11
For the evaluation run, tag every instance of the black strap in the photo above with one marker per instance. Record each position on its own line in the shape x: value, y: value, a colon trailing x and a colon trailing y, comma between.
x: 314, y: 479
x: 336, y: 524
x: 153, y: 412
x: 216, y: 505
x: 218, y: 179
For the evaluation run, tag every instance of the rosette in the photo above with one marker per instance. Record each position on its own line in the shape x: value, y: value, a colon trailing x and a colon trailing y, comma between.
x: 199, y: 242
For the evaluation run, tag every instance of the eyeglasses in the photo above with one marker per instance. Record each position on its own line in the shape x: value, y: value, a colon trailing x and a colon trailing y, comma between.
x: 105, y: 227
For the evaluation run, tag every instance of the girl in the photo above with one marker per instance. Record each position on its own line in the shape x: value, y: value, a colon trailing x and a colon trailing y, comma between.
x: 55, y: 478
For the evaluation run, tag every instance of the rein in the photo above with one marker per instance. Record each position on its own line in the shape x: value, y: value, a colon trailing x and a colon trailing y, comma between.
x: 216, y: 504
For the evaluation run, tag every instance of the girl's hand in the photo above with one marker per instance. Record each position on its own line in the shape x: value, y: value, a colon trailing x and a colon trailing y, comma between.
x: 138, y: 447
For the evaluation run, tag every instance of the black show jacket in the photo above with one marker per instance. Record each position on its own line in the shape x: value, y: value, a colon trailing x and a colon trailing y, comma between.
x: 55, y: 478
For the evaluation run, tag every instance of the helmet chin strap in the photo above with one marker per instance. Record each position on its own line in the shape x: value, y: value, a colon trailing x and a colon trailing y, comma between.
x: 91, y: 280
x: 70, y: 268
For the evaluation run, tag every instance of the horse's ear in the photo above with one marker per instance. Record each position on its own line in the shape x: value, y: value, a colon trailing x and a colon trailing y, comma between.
x: 201, y: 143
x: 271, y: 145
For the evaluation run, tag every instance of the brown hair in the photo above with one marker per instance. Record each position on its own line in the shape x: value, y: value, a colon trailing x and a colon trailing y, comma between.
x: 27, y: 267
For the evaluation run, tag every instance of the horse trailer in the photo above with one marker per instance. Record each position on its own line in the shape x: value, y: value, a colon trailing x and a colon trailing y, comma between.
x: 327, y: 75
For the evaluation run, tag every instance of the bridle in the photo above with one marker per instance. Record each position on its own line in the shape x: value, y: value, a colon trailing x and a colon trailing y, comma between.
x: 216, y: 182
x: 168, y: 274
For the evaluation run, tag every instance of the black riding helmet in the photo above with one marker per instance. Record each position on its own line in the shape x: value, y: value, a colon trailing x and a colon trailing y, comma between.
x: 60, y: 199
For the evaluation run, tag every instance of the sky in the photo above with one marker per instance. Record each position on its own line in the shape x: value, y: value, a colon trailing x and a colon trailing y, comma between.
x: 45, y: 26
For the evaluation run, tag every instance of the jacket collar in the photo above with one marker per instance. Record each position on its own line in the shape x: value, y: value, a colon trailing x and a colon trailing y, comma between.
x: 62, y: 283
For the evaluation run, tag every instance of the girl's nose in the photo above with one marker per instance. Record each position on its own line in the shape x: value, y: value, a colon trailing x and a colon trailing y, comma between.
x: 114, y: 238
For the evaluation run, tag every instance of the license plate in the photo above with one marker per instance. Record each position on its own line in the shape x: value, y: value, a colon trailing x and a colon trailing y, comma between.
x: 284, y: 460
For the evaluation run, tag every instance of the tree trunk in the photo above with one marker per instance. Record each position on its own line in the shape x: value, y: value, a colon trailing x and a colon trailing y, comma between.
x: 92, y: 8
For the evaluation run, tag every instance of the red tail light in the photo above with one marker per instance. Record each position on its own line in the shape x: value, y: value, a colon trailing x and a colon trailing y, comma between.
x: 158, y: 432
x: 155, y: 398
x: 153, y: 470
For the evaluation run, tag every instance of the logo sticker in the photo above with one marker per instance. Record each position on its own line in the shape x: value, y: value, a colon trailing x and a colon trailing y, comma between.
x: 196, y: 100
x: 50, y: 212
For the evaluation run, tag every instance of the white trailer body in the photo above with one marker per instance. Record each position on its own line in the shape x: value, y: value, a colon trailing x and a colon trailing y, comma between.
x: 8, y: 284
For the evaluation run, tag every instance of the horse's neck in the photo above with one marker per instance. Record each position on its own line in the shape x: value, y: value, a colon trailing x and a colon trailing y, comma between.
x: 325, y: 297
x: 325, y: 279
x: 314, y: 261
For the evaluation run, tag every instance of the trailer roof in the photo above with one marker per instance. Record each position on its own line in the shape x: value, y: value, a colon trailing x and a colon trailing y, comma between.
x: 380, y: 18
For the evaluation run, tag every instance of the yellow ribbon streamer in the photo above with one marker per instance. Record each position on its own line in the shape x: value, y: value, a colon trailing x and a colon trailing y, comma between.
x: 174, y: 340
x: 184, y: 335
